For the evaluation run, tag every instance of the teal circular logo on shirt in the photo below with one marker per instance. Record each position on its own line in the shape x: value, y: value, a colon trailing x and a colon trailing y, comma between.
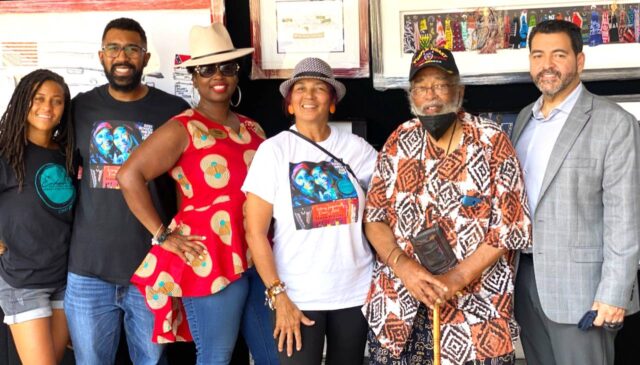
x: 54, y: 187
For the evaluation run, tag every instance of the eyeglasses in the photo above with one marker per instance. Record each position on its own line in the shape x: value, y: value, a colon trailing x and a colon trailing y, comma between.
x: 226, y: 69
x: 439, y: 89
x: 130, y: 50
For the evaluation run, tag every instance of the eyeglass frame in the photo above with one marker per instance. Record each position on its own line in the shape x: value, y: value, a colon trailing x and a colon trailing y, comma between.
x: 124, y: 48
x: 438, y: 89
x: 216, y: 68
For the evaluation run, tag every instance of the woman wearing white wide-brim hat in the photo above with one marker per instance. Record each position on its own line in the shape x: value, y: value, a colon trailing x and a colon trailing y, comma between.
x: 196, y: 277
x: 319, y: 270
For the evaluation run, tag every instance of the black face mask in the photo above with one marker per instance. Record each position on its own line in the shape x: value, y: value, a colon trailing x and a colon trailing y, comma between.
x: 437, y: 125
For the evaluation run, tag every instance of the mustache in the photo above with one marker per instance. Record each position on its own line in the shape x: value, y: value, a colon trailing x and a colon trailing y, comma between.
x: 547, y: 72
x: 126, y: 64
x: 432, y: 104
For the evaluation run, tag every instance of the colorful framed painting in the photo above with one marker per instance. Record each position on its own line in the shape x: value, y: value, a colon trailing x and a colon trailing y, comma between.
x: 489, y: 38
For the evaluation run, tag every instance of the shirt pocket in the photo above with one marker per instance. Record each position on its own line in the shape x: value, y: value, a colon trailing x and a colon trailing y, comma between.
x: 475, y: 206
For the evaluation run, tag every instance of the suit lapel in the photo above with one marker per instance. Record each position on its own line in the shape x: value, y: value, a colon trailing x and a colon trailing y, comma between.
x: 523, y: 119
x: 578, y: 117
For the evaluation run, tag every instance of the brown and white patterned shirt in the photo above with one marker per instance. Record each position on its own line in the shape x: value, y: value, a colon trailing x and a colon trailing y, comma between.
x: 415, y: 183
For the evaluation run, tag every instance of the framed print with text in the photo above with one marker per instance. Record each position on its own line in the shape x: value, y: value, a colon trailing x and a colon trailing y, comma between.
x: 489, y: 37
x: 286, y: 31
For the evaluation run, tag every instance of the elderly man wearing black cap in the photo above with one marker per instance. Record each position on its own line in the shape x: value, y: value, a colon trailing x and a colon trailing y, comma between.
x: 446, y: 209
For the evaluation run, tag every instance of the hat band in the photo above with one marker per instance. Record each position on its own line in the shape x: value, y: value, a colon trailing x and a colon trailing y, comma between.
x: 212, y: 54
x: 312, y: 73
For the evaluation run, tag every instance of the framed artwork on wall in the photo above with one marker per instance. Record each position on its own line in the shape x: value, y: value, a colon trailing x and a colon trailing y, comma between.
x: 505, y: 120
x: 489, y: 37
x: 58, y: 6
x: 67, y: 41
x: 286, y: 31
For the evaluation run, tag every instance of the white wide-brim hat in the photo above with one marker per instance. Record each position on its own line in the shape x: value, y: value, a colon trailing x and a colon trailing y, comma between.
x: 313, y: 68
x: 211, y: 44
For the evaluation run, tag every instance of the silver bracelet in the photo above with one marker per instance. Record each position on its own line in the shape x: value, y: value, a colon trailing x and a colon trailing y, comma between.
x: 158, y: 240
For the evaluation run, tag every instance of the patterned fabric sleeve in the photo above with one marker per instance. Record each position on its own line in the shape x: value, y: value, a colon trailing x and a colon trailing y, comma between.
x: 381, y: 185
x: 510, y: 225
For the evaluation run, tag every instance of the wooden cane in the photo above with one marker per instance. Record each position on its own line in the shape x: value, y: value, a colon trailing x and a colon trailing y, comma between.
x: 436, y: 334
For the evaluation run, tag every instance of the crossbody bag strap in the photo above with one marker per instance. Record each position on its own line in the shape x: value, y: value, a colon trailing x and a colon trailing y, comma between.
x: 335, y: 158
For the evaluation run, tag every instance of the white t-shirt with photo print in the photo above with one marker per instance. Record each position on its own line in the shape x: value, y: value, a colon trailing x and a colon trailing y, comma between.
x: 319, y: 245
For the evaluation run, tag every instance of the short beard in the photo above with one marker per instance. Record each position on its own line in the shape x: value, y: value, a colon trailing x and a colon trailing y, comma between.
x: 123, y: 84
x: 564, y: 83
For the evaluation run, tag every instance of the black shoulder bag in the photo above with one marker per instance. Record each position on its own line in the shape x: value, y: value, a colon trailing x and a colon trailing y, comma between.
x: 339, y: 160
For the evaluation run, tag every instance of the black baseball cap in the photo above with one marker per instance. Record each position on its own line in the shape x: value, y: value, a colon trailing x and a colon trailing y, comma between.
x: 436, y: 57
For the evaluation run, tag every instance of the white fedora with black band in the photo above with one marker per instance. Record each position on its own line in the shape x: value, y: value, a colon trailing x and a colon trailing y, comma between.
x: 313, y: 68
x: 211, y: 44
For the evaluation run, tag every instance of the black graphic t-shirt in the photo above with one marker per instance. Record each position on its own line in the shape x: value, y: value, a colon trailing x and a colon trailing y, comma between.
x: 108, y: 242
x: 35, y: 223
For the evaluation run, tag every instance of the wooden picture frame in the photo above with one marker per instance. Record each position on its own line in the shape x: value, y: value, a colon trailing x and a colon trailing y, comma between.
x: 287, y: 31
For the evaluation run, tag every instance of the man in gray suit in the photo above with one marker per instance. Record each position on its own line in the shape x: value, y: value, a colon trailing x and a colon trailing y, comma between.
x: 580, y: 158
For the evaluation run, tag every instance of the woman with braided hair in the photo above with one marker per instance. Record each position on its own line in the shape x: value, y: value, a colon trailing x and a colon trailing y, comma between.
x: 37, y: 194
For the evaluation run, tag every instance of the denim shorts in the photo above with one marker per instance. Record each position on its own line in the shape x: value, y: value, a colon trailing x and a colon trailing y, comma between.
x: 21, y: 305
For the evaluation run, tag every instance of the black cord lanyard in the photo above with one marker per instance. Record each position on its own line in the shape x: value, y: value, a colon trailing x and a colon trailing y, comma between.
x: 339, y: 160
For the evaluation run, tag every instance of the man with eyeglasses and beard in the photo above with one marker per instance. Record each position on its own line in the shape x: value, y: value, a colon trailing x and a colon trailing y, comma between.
x: 579, y: 154
x: 108, y: 243
x: 448, y: 181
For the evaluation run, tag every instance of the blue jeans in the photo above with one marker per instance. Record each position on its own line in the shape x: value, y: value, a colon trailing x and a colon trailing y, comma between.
x: 95, y: 309
x: 214, y: 321
x: 257, y: 326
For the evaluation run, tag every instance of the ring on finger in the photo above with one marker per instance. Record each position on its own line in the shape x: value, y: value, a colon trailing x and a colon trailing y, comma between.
x: 612, y: 326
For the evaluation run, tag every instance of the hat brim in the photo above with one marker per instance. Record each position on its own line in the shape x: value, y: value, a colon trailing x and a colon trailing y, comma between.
x: 217, y: 58
x: 341, y: 90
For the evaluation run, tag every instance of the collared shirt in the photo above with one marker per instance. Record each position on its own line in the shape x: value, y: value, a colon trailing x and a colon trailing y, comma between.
x: 415, y: 183
x: 537, y: 141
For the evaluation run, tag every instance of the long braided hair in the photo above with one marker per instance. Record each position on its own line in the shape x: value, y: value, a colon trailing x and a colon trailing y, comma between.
x: 13, y: 123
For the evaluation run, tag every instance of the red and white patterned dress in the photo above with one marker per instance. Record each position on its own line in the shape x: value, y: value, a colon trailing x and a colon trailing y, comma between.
x: 414, y: 180
x: 209, y: 173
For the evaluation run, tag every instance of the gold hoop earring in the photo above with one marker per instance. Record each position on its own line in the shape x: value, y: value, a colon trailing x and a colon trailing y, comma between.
x: 290, y: 109
x: 332, y: 108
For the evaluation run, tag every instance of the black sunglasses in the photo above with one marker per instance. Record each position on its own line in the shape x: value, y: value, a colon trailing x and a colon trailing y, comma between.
x: 226, y: 69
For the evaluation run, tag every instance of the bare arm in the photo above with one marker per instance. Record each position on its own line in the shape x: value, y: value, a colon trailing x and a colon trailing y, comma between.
x: 414, y: 276
x: 288, y: 316
x: 152, y: 158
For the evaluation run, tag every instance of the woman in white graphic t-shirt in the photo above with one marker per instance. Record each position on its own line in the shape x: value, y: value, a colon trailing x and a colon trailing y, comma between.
x: 309, y: 180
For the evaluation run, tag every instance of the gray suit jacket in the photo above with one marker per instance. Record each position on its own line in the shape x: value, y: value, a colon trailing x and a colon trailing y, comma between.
x: 586, y: 233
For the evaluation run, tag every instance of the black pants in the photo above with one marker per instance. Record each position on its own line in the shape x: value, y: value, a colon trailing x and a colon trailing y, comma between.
x: 546, y: 342
x: 346, y: 333
x: 627, y: 349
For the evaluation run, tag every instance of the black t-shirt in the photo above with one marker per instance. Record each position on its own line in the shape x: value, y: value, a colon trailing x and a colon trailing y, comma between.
x: 35, y: 223
x: 108, y: 242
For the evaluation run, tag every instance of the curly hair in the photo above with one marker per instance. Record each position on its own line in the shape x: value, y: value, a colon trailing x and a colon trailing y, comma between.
x: 13, y: 123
